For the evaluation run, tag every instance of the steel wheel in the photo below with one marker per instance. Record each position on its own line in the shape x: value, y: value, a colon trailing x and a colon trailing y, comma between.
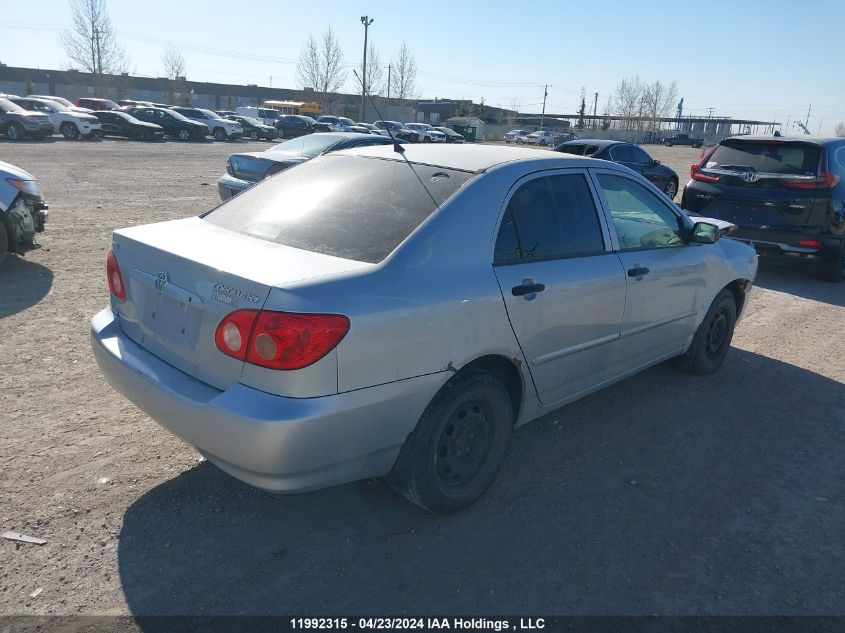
x: 717, y: 330
x: 712, y: 339
x: 463, y: 444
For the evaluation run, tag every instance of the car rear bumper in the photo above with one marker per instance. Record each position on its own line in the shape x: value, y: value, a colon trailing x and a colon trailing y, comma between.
x: 271, y: 442
x: 776, y: 248
x: 228, y: 186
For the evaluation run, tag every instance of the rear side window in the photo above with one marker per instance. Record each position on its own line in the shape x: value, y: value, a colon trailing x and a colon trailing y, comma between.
x: 552, y: 217
x: 766, y: 157
x: 580, y: 149
x: 345, y: 206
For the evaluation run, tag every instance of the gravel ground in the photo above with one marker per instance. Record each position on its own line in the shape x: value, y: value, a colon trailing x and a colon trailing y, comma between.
x: 665, y: 493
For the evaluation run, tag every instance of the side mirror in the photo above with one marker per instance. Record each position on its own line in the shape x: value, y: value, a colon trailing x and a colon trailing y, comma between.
x: 704, y: 233
x: 655, y: 163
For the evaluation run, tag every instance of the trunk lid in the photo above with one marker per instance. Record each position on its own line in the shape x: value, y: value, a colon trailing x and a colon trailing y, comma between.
x: 253, y: 166
x: 183, y: 277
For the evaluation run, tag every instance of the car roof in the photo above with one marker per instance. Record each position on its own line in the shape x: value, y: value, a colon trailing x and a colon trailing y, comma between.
x: 599, y: 142
x: 812, y: 140
x: 469, y: 157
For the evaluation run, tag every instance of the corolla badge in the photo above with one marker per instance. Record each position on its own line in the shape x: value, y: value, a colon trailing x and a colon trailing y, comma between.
x: 227, y: 294
x: 162, y: 279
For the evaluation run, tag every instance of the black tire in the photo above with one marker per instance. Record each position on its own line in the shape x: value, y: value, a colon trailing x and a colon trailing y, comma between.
x: 426, y: 139
x: 832, y: 268
x: 219, y: 134
x: 138, y: 134
x: 69, y: 131
x: 254, y: 135
x: 458, y: 446
x: 4, y: 243
x: 713, y: 337
x: 15, y: 132
x: 671, y: 188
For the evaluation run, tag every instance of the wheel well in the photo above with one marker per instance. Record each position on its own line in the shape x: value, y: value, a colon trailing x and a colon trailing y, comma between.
x: 737, y: 287
x: 505, y: 369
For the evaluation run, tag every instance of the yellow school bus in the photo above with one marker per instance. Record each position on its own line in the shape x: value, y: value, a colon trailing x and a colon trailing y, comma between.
x: 294, y: 107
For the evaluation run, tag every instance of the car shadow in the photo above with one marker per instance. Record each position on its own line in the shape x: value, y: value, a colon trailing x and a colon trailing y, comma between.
x: 23, y: 283
x: 665, y: 493
x: 798, y: 277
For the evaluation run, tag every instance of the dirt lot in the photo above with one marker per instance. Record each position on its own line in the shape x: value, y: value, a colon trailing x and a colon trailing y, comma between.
x: 665, y: 493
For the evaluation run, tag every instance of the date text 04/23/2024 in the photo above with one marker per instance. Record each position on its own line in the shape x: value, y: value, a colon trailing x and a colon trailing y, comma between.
x: 410, y: 624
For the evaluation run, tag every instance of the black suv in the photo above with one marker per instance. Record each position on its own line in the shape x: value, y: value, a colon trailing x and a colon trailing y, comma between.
x: 632, y: 156
x: 293, y: 125
x: 682, y: 139
x: 173, y: 123
x: 786, y: 195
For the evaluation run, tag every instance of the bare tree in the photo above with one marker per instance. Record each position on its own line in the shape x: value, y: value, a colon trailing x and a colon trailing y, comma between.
x: 840, y: 129
x: 405, y: 71
x: 658, y: 100
x: 627, y: 100
x: 90, y: 42
x: 375, y: 71
x: 321, y: 66
x: 173, y: 62
x: 515, y: 106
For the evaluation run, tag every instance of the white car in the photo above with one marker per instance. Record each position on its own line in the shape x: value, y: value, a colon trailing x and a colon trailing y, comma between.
x: 267, y: 116
x: 71, y: 123
x: 516, y: 136
x: 427, y: 133
x: 221, y: 129
x: 63, y: 101
x: 542, y: 138
x: 341, y: 124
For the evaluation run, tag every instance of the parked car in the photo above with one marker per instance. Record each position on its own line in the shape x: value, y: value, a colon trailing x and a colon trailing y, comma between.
x: 173, y: 123
x: 786, y: 195
x: 255, y: 129
x: 370, y: 127
x: 23, y: 211
x: 516, y: 136
x: 426, y: 133
x: 341, y: 124
x: 227, y: 113
x: 682, y: 139
x: 293, y: 125
x: 267, y: 116
x: 17, y: 123
x: 376, y: 314
x: 63, y: 101
x: 117, y: 123
x: 451, y: 135
x: 221, y: 129
x: 131, y: 103
x: 244, y: 169
x: 540, y: 137
x: 72, y: 125
x: 97, y: 104
x: 632, y: 156
x: 563, y: 137
x: 398, y: 130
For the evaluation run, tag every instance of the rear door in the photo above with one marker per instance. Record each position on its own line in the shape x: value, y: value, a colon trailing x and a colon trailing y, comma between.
x: 664, y: 273
x: 563, y: 289
x: 765, y: 188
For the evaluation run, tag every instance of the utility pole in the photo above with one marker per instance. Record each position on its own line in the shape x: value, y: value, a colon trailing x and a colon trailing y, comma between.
x: 366, y: 21
x: 389, y: 68
x: 543, y: 115
x: 595, y: 109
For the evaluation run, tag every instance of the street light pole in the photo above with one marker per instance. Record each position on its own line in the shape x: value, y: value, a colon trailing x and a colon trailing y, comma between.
x: 366, y: 21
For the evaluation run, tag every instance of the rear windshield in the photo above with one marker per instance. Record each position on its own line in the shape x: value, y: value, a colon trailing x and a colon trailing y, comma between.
x: 345, y: 206
x: 580, y: 149
x: 772, y: 158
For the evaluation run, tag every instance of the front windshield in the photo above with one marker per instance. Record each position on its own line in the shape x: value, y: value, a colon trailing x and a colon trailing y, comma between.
x: 8, y: 106
x: 310, y: 146
x: 251, y: 120
x: 210, y: 114
x: 175, y: 115
x: 346, y: 121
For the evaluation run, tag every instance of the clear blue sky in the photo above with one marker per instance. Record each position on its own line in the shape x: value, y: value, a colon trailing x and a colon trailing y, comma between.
x: 747, y: 59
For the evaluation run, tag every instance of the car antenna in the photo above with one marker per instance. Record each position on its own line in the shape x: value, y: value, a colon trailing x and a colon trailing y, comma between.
x: 397, y: 147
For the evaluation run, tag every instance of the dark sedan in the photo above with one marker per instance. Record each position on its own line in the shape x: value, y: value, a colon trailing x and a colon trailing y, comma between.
x: 173, y: 123
x: 451, y: 135
x: 255, y: 129
x: 116, y: 123
x: 247, y: 168
x: 628, y: 154
x: 294, y: 125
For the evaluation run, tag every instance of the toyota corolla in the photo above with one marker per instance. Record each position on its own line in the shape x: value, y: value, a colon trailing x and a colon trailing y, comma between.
x: 396, y: 312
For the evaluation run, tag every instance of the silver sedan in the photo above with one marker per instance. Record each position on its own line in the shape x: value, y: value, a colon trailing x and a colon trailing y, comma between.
x: 396, y: 312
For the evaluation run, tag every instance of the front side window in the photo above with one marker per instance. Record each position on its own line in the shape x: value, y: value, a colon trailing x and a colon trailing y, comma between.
x: 552, y: 217
x: 641, y: 219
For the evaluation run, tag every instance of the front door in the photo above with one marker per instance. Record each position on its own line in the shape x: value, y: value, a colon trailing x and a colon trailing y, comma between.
x: 563, y: 289
x: 665, y: 273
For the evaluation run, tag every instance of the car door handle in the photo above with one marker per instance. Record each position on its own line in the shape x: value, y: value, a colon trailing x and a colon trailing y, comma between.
x: 638, y: 271
x: 527, y: 289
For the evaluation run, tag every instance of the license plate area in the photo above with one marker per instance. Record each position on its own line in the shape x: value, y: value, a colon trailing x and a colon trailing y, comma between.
x: 167, y: 314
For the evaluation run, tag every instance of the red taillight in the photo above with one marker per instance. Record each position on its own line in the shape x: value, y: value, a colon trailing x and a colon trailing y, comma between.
x: 275, y: 168
x: 280, y: 340
x: 810, y: 243
x: 232, y: 335
x: 694, y: 170
x: 826, y: 180
x: 116, y: 286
